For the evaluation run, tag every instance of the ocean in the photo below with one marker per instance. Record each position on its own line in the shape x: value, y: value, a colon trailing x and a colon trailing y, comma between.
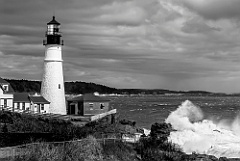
x: 206, y: 125
x: 146, y: 110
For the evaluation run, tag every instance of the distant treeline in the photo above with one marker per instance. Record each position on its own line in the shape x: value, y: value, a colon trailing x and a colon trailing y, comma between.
x: 70, y: 87
x: 78, y: 87
x: 24, y: 85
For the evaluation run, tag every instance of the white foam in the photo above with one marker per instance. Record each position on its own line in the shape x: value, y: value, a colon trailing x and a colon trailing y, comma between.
x: 204, y: 136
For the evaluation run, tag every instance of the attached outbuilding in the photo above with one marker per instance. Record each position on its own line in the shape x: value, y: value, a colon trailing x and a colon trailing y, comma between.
x: 24, y: 102
x: 88, y: 104
x: 40, y: 104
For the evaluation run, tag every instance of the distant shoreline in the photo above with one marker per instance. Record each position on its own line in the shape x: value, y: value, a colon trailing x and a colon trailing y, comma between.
x: 78, y: 87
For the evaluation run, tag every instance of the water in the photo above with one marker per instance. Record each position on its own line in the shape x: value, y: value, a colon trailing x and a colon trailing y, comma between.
x: 146, y: 110
x: 209, y: 136
x: 206, y: 125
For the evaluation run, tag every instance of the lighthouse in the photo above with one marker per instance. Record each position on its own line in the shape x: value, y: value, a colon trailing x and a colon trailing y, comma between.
x: 52, y: 88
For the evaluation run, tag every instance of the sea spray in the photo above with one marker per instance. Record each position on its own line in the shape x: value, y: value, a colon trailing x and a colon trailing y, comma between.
x: 184, y: 116
x: 196, y: 134
x: 236, y: 126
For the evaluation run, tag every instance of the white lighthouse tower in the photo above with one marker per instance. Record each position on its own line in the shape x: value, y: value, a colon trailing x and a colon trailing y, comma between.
x: 52, y: 87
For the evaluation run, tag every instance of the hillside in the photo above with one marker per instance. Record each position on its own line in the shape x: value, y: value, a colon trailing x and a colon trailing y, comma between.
x: 79, y: 87
x: 70, y: 87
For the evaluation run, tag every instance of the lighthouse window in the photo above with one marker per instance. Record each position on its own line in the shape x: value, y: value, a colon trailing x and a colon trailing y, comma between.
x: 55, y: 29
x: 59, y: 86
x: 50, y: 29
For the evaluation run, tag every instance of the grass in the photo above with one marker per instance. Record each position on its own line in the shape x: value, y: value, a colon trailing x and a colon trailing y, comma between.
x: 57, y: 130
x: 153, y: 148
x: 119, y: 151
x: 86, y: 150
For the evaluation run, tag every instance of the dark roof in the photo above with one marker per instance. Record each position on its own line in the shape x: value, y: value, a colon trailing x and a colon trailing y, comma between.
x: 21, y: 97
x: 92, y: 97
x: 54, y: 22
x: 3, y: 81
x: 89, y: 98
x: 10, y: 89
x: 2, y: 88
x: 78, y: 98
x: 39, y: 99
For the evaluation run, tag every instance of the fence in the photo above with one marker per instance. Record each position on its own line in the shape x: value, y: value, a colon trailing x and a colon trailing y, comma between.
x: 6, y: 108
x: 59, y: 116
x: 99, y: 116
x: 16, y: 150
x: 32, y: 113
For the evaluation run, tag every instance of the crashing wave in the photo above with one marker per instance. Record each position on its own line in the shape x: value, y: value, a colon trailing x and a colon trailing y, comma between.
x: 196, y: 134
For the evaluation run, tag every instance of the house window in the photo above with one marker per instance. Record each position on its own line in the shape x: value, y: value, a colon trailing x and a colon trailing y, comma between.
x: 42, y: 106
x: 5, y: 102
x: 101, y: 106
x: 5, y: 87
x: 18, y: 105
x: 23, y: 106
x: 0, y: 102
x: 59, y: 86
x: 91, y: 106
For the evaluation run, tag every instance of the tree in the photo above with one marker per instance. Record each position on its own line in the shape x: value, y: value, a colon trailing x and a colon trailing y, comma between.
x: 161, y: 131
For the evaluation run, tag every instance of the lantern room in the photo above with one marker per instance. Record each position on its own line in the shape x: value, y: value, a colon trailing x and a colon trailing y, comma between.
x: 53, y: 34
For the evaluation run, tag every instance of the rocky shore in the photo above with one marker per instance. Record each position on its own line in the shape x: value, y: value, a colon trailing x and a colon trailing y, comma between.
x: 158, y: 137
x: 154, y: 147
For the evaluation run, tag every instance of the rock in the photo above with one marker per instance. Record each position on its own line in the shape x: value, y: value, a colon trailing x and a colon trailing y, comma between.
x: 205, y: 157
x: 199, y: 157
x: 229, y: 159
x: 223, y: 159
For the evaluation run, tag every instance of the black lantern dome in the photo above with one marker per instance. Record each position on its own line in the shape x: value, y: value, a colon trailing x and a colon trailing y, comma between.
x: 53, y: 22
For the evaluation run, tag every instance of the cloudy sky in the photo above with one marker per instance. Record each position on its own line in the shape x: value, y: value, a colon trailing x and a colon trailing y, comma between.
x: 167, y: 44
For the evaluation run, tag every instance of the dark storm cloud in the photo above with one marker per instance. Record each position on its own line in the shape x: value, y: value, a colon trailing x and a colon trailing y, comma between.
x: 196, y: 26
x: 126, y: 43
x: 215, y: 9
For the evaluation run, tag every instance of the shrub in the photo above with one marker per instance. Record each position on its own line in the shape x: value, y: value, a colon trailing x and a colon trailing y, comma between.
x: 127, y: 122
x: 161, y: 131
x: 154, y: 150
x: 156, y: 147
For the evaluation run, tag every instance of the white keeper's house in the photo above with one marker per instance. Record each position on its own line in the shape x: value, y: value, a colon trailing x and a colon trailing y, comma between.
x: 6, y: 94
x: 21, y: 102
